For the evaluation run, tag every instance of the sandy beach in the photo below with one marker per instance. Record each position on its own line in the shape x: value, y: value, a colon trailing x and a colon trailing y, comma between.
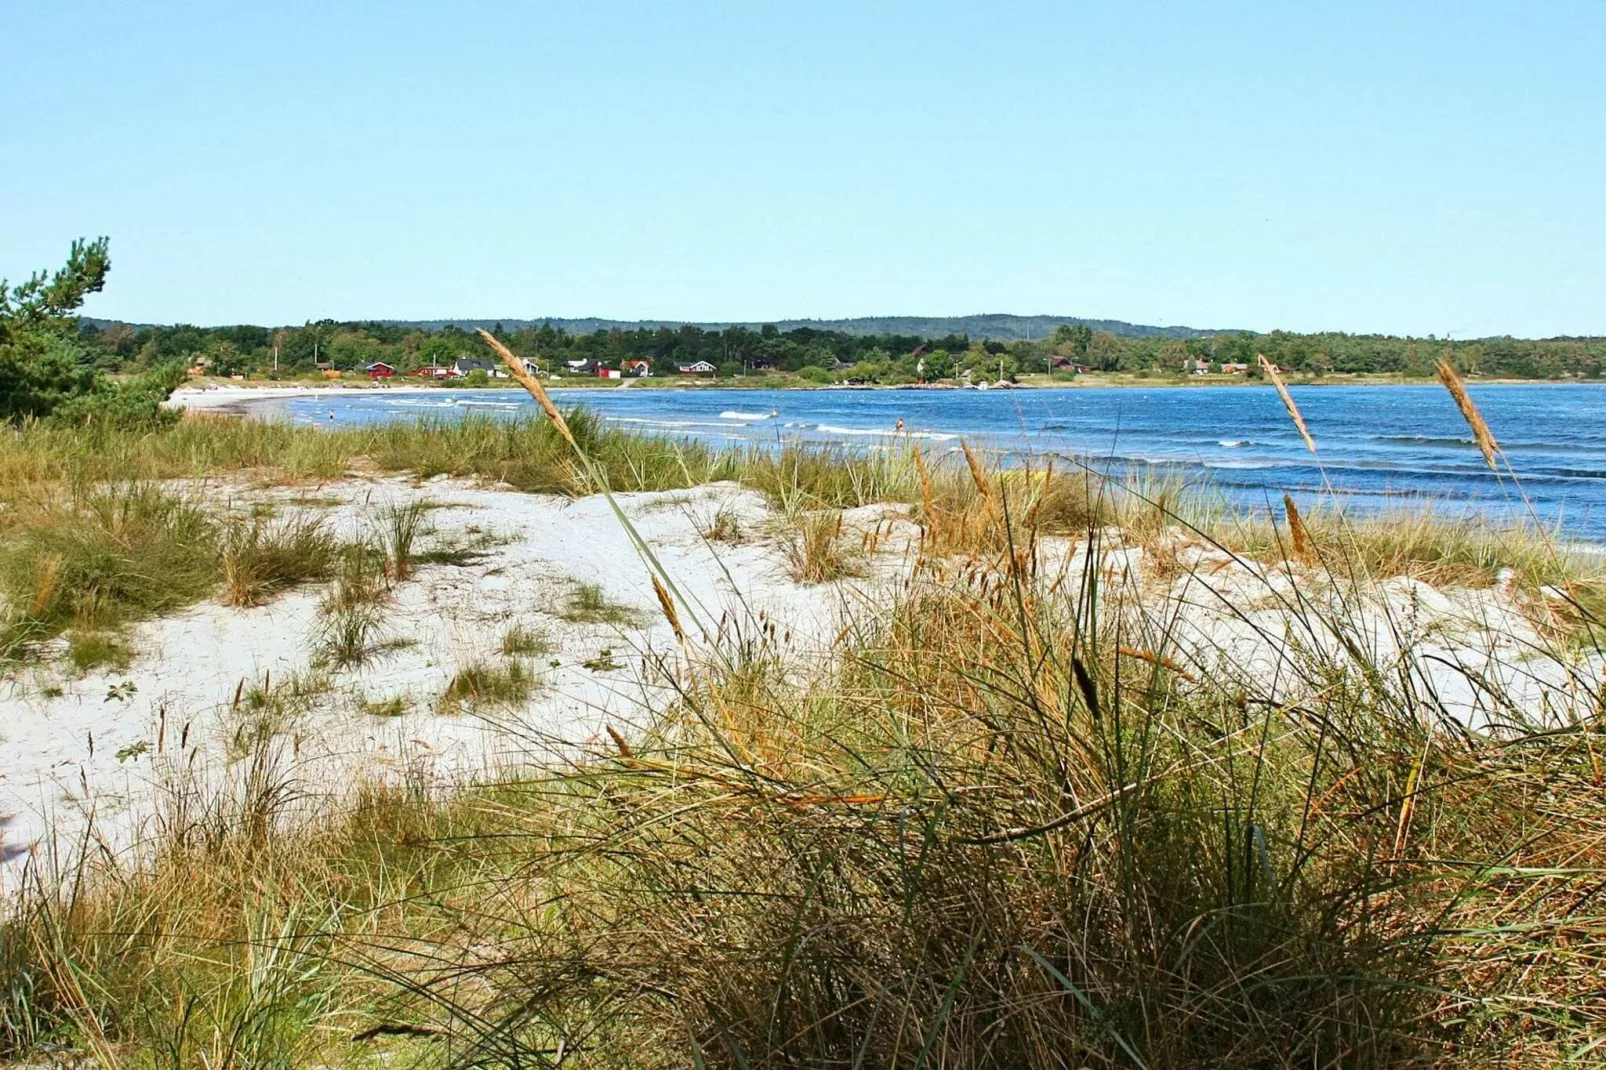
x: 113, y: 745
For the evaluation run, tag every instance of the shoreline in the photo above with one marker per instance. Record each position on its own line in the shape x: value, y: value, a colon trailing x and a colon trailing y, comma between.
x: 188, y: 396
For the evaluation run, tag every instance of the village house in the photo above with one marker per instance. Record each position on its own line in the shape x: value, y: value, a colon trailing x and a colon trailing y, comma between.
x: 465, y: 365
x: 1196, y: 367
x: 701, y: 367
x: 638, y: 368
x: 1234, y: 368
x: 1066, y: 364
x: 380, y: 370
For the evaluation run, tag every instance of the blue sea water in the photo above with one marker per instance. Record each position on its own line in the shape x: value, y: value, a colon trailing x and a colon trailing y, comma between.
x: 1377, y: 444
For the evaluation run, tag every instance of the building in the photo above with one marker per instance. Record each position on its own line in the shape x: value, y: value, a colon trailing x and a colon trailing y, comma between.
x: 639, y: 368
x: 1066, y: 364
x: 380, y: 370
x: 607, y: 373
x: 1196, y: 367
x: 432, y: 371
x: 701, y: 367
x: 466, y: 365
x: 1234, y: 368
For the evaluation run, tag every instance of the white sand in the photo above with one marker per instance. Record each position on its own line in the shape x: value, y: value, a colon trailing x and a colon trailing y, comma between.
x: 69, y: 746
x: 94, y: 744
x: 255, y: 399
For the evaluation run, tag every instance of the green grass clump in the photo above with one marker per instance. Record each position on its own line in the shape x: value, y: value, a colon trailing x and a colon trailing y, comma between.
x: 87, y: 651
x: 395, y: 706
x: 259, y: 558
x: 100, y: 557
x: 815, y: 550
x: 588, y: 603
x: 522, y: 641
x: 483, y: 684
x: 402, y: 525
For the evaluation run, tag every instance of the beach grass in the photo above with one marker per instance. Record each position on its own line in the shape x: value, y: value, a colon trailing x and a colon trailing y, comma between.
x: 1010, y: 818
x: 1002, y: 825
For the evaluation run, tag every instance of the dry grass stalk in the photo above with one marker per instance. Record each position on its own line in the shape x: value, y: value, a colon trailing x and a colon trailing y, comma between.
x: 1288, y: 400
x: 925, y: 484
x: 1469, y: 412
x: 44, y: 586
x: 1157, y: 659
x: 668, y: 606
x: 977, y: 476
x: 516, y: 368
x: 1296, y: 527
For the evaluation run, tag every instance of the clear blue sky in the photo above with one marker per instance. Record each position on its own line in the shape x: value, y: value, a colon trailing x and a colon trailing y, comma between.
x: 1391, y: 167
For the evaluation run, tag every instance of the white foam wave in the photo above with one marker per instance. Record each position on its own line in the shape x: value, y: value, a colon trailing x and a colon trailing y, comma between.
x: 1234, y: 443
x: 732, y: 414
x: 648, y: 422
x: 884, y: 432
x: 1245, y: 465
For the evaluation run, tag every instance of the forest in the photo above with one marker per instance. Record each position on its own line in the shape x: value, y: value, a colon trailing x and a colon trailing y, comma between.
x: 821, y: 355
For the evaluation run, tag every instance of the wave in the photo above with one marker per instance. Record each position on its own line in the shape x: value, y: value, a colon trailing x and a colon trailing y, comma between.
x: 649, y: 422
x: 1247, y: 465
x: 1235, y: 443
x: 732, y: 414
x: 934, y: 436
x: 1422, y: 440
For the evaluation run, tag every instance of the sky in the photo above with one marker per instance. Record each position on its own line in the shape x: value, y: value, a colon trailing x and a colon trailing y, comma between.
x: 1418, y: 168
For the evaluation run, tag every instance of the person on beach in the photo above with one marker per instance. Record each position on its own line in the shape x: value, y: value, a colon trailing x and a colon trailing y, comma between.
x: 897, y: 428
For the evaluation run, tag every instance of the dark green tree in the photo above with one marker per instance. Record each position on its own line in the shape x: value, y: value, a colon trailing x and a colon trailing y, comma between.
x: 46, y: 371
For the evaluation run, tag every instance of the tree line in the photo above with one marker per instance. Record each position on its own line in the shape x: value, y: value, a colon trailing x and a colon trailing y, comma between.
x: 55, y: 365
x: 824, y: 355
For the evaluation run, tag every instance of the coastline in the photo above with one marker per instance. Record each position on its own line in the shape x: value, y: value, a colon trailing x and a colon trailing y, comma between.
x: 240, y: 399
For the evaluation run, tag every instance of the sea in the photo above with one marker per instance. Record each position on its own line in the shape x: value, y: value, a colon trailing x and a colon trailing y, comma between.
x: 1377, y: 446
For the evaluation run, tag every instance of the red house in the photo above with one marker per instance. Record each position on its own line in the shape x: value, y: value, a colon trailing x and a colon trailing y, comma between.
x: 638, y: 368
x: 379, y: 370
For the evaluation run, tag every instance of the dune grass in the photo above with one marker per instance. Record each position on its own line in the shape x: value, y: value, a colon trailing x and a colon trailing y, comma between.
x: 999, y: 826
x: 1001, y: 821
x: 588, y: 603
x: 483, y: 684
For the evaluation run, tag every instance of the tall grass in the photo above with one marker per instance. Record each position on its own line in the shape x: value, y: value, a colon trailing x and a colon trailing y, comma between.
x: 1006, y: 819
x: 257, y: 558
x: 96, y: 556
x: 1002, y: 825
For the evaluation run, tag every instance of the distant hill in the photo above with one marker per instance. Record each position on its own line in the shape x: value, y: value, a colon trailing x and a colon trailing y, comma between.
x: 993, y: 327
x: 997, y: 327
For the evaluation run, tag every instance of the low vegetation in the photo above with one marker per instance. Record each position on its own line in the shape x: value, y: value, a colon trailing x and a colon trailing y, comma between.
x: 815, y: 550
x: 258, y: 558
x: 588, y: 603
x: 1007, y: 818
x: 522, y: 641
x: 485, y: 684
